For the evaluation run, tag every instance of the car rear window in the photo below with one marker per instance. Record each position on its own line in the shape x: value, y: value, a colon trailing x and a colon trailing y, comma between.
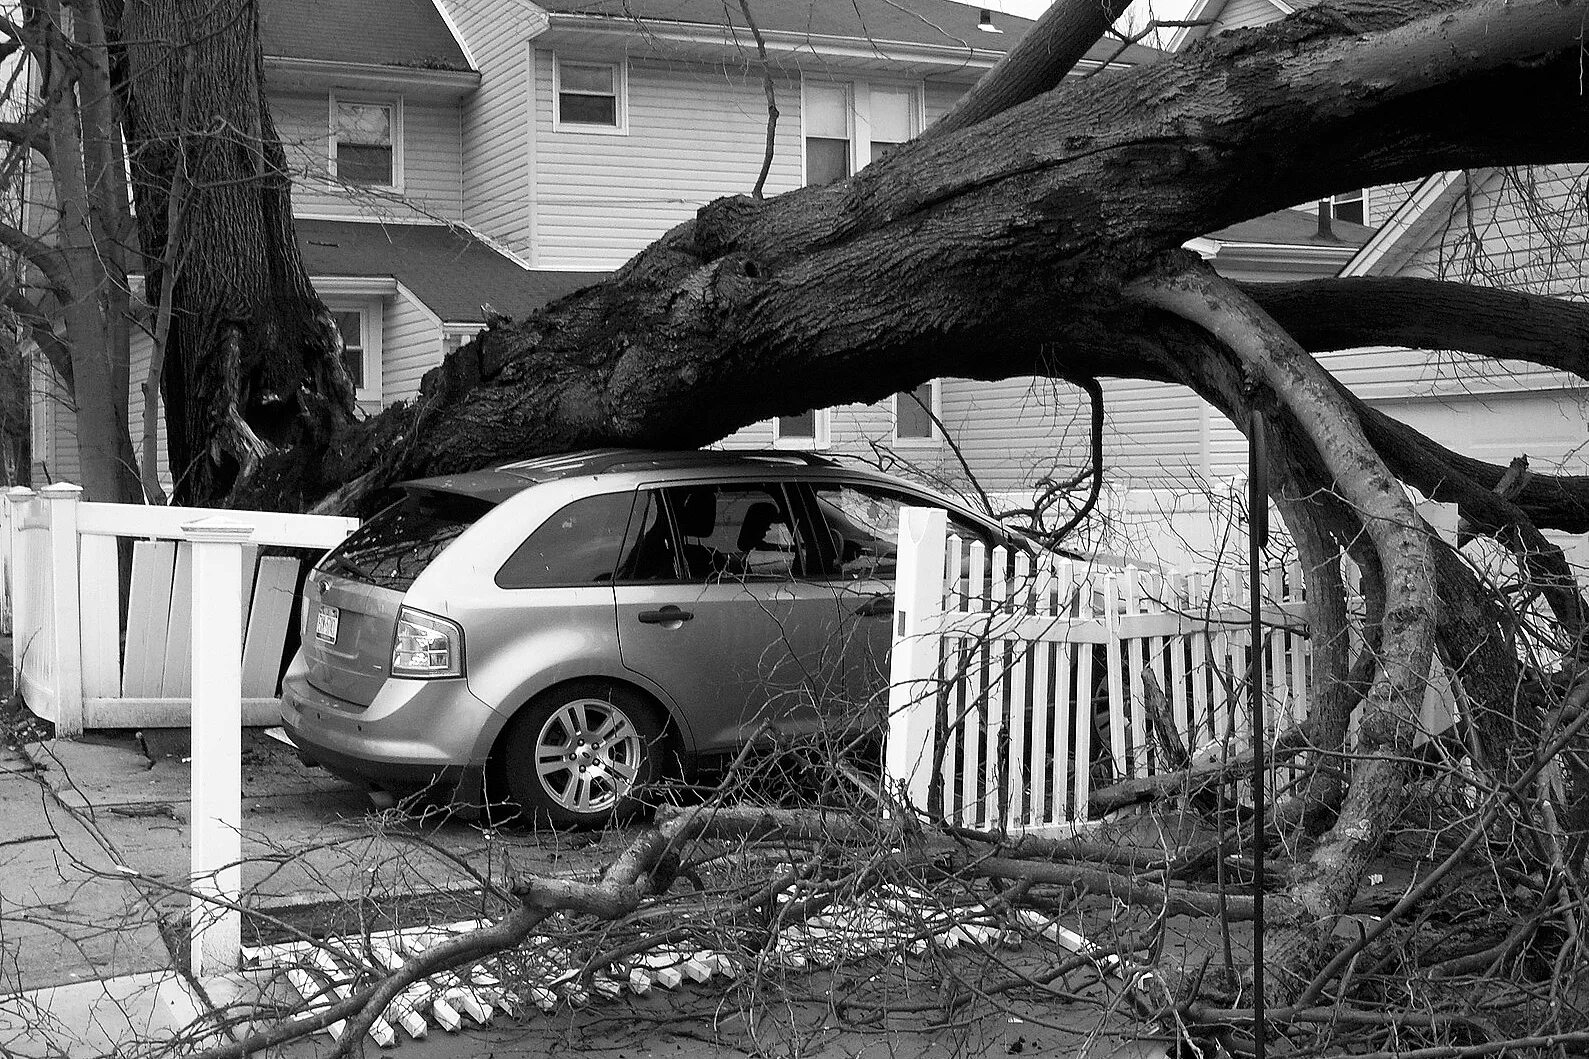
x: 392, y: 549
x: 578, y: 545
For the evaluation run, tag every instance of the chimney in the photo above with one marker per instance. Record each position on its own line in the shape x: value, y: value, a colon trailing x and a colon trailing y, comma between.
x: 1325, y: 230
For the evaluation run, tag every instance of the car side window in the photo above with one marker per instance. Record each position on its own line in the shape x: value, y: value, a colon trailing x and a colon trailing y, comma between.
x: 579, y: 545
x: 862, y: 524
x: 725, y: 531
x: 734, y: 530
x: 651, y: 548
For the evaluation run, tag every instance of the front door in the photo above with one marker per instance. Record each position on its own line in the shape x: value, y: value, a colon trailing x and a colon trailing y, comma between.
x: 713, y: 608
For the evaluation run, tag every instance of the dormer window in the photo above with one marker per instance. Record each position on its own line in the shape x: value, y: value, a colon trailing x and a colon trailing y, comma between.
x: 1350, y: 206
x: 590, y: 96
x: 365, y: 139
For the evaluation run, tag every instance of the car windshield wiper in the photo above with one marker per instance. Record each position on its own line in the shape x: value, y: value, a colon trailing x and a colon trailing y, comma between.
x: 361, y: 572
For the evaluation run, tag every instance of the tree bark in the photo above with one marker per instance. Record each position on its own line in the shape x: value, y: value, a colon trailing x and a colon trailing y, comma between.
x: 252, y: 364
x: 90, y: 284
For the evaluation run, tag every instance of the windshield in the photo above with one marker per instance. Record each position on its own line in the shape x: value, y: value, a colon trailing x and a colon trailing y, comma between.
x: 392, y: 549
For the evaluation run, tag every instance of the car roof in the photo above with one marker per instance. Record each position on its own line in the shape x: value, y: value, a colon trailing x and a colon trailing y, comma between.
x: 496, y: 484
x: 649, y: 466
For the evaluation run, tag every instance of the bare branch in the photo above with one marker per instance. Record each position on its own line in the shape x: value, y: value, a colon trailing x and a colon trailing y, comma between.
x: 30, y: 134
x: 772, y: 102
x: 47, y: 258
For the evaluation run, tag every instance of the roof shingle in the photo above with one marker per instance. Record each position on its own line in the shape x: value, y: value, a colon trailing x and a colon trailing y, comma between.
x: 449, y: 269
x: 408, y: 33
x: 941, y: 23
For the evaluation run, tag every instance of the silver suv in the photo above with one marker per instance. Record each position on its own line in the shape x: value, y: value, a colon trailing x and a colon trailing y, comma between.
x: 567, y: 629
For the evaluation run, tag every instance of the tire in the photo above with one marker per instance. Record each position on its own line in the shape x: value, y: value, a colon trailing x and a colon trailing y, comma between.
x: 559, y: 774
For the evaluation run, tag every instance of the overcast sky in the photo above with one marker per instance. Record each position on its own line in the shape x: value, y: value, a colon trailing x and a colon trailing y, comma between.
x: 1140, y: 11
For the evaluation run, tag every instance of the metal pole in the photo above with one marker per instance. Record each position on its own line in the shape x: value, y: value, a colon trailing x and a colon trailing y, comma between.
x: 1257, y: 540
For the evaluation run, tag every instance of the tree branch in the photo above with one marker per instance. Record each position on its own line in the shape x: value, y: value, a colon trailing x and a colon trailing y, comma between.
x: 772, y: 101
x: 1509, y: 325
x: 30, y: 133
x: 48, y: 259
x: 1038, y: 63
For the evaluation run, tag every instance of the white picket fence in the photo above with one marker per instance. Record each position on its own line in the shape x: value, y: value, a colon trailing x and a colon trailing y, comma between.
x: 1019, y: 681
x: 70, y: 657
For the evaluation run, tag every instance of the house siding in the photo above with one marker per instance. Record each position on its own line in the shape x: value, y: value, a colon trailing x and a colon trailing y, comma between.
x: 1016, y: 431
x: 696, y: 133
x: 139, y: 349
x: 59, y: 462
x: 939, y: 99
x: 1386, y: 199
x: 496, y: 121
x: 411, y: 346
x: 1242, y: 13
x: 432, y: 162
x: 1497, y: 241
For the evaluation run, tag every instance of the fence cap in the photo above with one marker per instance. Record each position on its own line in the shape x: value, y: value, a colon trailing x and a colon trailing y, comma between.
x: 61, y: 491
x: 217, y: 530
x: 20, y: 494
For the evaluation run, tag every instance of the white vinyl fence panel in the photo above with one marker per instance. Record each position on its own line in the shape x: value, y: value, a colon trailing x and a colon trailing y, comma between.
x: 1019, y: 682
x: 107, y: 672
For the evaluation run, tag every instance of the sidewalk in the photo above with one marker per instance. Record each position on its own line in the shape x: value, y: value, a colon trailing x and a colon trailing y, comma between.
x: 94, y: 843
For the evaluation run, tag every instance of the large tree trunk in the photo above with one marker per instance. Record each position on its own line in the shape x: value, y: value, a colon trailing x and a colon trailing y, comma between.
x: 252, y: 364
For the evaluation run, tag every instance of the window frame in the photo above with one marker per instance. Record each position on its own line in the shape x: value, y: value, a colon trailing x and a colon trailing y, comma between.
x: 620, y: 81
x: 858, y: 95
x: 1358, y: 198
x: 821, y: 436
x: 395, y: 104
x: 371, y: 311
x: 934, y: 406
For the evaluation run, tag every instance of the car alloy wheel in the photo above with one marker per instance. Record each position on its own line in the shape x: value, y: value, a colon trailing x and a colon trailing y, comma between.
x: 588, y: 755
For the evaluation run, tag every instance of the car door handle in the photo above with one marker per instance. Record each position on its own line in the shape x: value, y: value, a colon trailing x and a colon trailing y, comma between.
x: 876, y: 607
x: 666, y: 616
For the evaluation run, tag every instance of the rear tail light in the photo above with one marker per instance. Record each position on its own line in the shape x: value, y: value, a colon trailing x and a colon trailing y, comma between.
x: 426, y: 647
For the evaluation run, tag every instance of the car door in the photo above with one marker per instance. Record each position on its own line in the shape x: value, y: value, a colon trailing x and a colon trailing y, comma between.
x: 858, y: 526
x: 712, y: 607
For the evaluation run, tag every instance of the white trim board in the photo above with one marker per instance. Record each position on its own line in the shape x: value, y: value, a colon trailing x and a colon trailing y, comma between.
x: 1400, y: 224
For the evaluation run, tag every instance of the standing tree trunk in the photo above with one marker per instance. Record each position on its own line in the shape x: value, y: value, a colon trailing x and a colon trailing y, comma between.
x: 88, y: 269
x: 252, y: 363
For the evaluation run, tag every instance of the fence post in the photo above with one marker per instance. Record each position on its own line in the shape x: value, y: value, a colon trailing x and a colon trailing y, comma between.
x: 18, y: 497
x: 913, y: 662
x: 66, y: 658
x: 216, y: 797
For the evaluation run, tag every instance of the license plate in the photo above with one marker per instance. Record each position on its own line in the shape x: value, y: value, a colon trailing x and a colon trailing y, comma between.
x: 326, y: 620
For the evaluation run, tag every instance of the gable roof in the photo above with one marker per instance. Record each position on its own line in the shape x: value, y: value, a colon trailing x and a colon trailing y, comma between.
x: 1404, y: 230
x: 452, y: 270
x: 914, y: 23
x: 404, y: 33
x: 1218, y: 16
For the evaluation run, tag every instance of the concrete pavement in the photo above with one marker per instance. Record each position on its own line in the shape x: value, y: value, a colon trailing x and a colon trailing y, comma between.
x: 94, y: 848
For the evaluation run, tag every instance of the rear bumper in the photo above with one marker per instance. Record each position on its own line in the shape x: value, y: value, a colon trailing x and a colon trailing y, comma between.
x: 431, y: 736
